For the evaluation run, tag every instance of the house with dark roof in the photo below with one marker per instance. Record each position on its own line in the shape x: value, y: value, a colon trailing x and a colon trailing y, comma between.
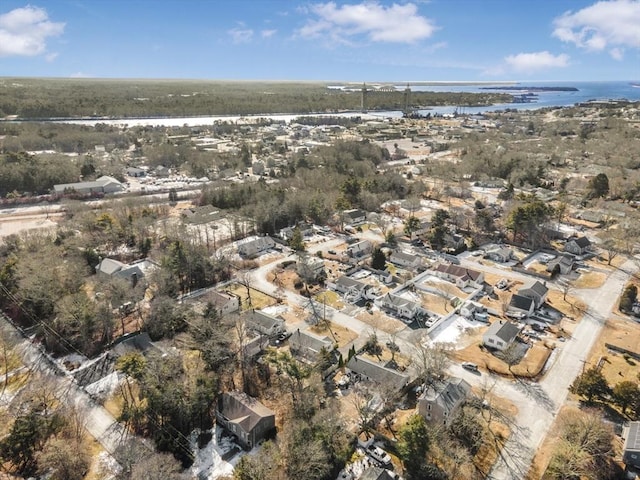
x: 378, y: 473
x: 377, y: 373
x: 461, y: 276
x: 500, y: 335
x: 453, y: 241
x: 536, y: 290
x: 440, y: 401
x: 263, y: 323
x: 244, y: 416
x: 577, y: 245
x: 399, y: 306
x: 521, y: 305
x: 631, y: 447
x: 309, y: 346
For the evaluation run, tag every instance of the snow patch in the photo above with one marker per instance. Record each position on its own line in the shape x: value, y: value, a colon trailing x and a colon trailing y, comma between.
x: 208, y: 463
x: 104, y: 387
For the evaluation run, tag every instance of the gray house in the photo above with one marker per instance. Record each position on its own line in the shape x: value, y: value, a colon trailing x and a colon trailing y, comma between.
x: 377, y: 373
x: 521, y: 305
x: 535, y: 290
x: 440, y: 401
x: 403, y: 259
x: 264, y: 324
x: 578, y: 245
x: 252, y: 246
x: 400, y: 306
x: 352, y: 290
x: 309, y: 346
x: 133, y: 272
x: 631, y: 447
x: 103, y: 184
x: 244, y: 416
x: 500, y: 335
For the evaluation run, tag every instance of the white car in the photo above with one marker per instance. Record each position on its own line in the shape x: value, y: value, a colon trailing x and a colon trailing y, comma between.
x: 378, y: 454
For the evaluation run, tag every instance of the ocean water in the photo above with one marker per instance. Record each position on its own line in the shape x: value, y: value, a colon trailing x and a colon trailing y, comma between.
x: 586, y: 91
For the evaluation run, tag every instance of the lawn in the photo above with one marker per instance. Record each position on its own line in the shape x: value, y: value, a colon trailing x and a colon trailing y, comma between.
x: 378, y: 320
x: 343, y: 336
x: 435, y: 303
x: 258, y: 298
x: 590, y: 280
x: 331, y: 298
x: 530, y: 366
x: 614, y: 367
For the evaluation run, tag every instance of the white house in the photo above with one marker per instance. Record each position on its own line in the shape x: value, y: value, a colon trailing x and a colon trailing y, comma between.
x: 400, y: 306
x: 499, y: 254
x: 377, y: 373
x: 359, y: 249
x: 353, y: 290
x: 252, y: 246
x: 461, y: 276
x: 264, y: 324
x: 224, y: 302
x: 406, y: 260
x: 309, y: 346
x: 500, y: 335
x: 354, y: 216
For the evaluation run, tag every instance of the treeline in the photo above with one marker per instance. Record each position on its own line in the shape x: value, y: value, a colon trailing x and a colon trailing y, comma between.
x: 49, y: 98
x: 329, y: 178
x: 35, y: 174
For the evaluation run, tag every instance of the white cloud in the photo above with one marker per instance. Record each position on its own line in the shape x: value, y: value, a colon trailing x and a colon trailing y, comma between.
x: 240, y: 34
x: 534, y: 61
x: 378, y: 23
x: 24, y: 31
x: 268, y: 33
x: 608, y: 24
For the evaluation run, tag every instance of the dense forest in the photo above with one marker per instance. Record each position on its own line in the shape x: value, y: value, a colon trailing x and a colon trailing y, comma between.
x: 48, y: 98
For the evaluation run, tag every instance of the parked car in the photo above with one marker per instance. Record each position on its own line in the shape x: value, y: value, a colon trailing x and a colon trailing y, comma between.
x: 470, y: 366
x: 378, y: 454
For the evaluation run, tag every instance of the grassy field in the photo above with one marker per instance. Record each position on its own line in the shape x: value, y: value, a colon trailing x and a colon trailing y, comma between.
x: 330, y: 298
x: 343, y: 336
x: 590, y: 280
x: 258, y: 298
x: 530, y: 366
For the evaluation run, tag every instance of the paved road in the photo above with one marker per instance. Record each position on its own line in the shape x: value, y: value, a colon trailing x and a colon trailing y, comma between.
x: 537, y: 403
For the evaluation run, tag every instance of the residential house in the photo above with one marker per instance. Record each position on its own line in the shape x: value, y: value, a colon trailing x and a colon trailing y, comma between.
x: 309, y: 346
x: 306, y: 230
x: 377, y: 373
x: 354, y: 216
x: 264, y: 324
x: 244, y: 416
x: 423, y: 229
x: 561, y: 264
x: 400, y: 306
x: 577, y: 245
x: 631, y: 447
x: 461, y: 276
x: 441, y: 400
x: 453, y: 241
x: 224, y: 302
x: 111, y: 268
x: 162, y: 171
x: 359, y: 249
x: 378, y: 473
x: 353, y: 290
x: 499, y: 254
x: 103, y: 184
x: 406, y: 260
x: 475, y: 310
x: 500, y: 335
x: 253, y: 246
x: 521, y: 306
x: 535, y: 290
x: 310, y: 268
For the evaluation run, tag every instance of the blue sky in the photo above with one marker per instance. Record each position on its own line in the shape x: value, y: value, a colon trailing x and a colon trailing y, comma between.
x: 418, y: 40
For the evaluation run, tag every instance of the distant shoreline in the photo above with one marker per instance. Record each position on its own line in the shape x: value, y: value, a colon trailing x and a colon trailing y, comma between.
x: 533, y: 89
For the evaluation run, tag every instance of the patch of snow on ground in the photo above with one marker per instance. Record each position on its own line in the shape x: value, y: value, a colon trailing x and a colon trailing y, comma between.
x: 275, y: 310
x: 208, y: 464
x: 108, y: 466
x: 450, y: 331
x: 105, y: 386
